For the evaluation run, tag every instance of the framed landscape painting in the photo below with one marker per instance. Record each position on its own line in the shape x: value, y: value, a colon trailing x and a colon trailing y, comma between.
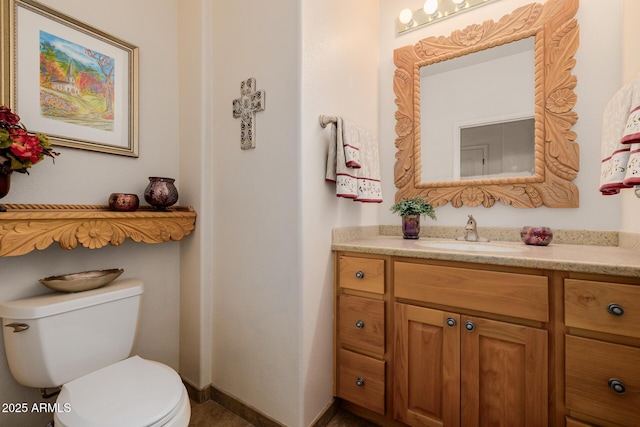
x: 74, y: 83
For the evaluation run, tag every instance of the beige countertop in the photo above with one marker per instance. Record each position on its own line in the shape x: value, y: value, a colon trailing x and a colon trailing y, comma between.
x: 607, y: 252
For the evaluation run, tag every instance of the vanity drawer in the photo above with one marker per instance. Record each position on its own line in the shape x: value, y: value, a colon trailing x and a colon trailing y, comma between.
x: 361, y: 323
x: 590, y: 366
x: 362, y: 274
x: 597, y: 306
x: 510, y: 294
x: 361, y: 380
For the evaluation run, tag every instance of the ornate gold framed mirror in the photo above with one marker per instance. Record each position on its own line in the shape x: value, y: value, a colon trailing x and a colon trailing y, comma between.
x: 554, y: 163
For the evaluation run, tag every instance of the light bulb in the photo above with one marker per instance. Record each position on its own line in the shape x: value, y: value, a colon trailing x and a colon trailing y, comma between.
x: 458, y: 2
x: 406, y: 15
x: 430, y: 7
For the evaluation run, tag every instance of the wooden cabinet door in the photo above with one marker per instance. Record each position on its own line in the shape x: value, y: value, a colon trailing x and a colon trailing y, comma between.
x: 504, y: 374
x: 426, y: 367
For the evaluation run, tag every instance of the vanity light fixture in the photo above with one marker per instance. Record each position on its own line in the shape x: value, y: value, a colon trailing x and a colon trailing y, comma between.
x: 432, y: 11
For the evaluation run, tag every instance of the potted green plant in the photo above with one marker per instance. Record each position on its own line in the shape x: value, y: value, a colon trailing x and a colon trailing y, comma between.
x: 411, y: 210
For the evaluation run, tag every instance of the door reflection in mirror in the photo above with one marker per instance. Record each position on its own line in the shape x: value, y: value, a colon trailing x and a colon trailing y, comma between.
x: 497, y: 149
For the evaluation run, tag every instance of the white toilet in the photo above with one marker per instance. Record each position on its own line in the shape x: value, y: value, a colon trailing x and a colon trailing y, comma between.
x: 82, y: 342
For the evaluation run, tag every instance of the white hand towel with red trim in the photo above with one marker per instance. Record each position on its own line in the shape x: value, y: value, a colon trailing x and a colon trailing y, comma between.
x: 353, y: 163
x: 620, y: 152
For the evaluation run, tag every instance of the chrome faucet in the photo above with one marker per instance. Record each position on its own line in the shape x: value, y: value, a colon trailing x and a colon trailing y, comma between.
x: 471, y: 232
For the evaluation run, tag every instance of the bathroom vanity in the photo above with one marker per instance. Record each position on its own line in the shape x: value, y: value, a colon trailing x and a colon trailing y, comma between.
x: 507, y: 334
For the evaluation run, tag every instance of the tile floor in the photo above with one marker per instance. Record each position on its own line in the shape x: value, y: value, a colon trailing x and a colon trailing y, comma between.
x: 210, y: 414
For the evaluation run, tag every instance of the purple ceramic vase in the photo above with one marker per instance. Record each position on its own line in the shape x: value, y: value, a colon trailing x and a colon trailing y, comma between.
x: 161, y: 193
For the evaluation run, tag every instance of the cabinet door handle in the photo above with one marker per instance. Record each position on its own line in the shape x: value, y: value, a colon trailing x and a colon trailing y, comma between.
x: 469, y: 326
x: 615, y: 310
x: 359, y: 324
x: 360, y: 274
x: 360, y: 382
x: 617, y: 386
x: 451, y: 322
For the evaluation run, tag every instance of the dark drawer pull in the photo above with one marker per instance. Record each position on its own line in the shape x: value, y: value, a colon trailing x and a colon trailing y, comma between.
x: 360, y: 382
x: 360, y: 274
x: 470, y: 326
x: 615, y: 310
x: 359, y: 324
x: 617, y: 386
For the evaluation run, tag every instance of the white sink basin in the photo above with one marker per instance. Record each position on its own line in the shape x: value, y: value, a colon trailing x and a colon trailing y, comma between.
x: 459, y: 245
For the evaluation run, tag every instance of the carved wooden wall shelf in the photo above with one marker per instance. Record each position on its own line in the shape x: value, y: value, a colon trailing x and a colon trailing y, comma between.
x: 24, y: 228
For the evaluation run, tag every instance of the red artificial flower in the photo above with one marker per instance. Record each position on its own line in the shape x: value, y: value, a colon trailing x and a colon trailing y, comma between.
x: 26, y: 147
x: 19, y: 148
x: 7, y: 117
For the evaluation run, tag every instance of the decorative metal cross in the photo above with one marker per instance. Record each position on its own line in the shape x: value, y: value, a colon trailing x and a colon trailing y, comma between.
x: 245, y: 108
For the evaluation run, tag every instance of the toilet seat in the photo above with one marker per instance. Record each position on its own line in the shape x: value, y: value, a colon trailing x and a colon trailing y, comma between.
x: 133, y: 392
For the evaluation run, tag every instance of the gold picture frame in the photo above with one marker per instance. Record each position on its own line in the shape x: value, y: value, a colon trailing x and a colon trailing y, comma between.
x: 68, y: 80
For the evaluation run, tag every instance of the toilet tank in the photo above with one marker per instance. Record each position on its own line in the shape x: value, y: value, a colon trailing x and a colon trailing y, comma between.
x: 70, y: 334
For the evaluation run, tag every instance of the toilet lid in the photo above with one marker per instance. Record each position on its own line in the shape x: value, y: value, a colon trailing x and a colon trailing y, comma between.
x: 133, y: 392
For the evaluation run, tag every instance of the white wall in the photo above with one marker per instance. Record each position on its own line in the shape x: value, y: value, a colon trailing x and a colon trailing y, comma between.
x: 256, y: 215
x: 339, y: 77
x: 88, y: 178
x: 600, y: 43
x: 273, y: 212
x: 196, y: 175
